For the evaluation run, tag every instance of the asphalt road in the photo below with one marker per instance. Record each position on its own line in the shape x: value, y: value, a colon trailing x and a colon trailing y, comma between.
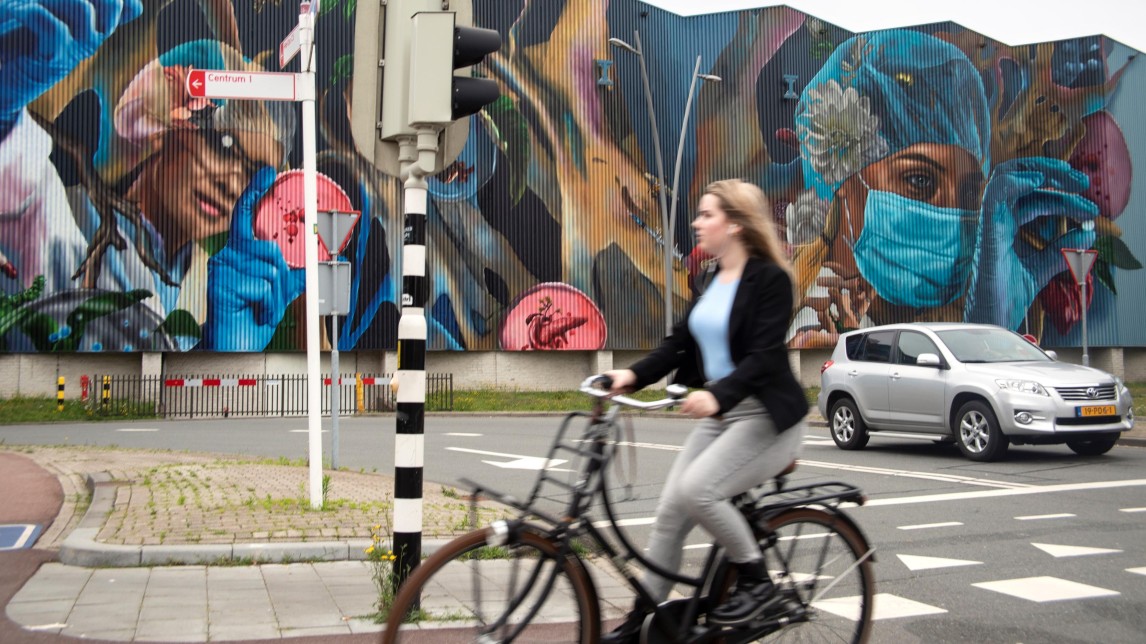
x: 1045, y: 546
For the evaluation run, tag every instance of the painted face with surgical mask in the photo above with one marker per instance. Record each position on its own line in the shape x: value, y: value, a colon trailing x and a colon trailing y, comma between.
x: 908, y: 224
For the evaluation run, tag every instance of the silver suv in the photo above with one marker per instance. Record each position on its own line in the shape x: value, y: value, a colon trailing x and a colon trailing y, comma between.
x: 977, y: 384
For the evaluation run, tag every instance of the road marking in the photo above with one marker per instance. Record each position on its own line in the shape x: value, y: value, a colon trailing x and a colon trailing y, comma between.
x: 1058, y: 551
x: 883, y: 471
x: 885, y: 606
x: 463, y: 434
x: 986, y: 494
x: 304, y: 431
x: 1137, y: 571
x: 919, y: 562
x: 925, y: 526
x: 1039, y: 517
x: 138, y: 429
x: 518, y: 462
x: 1133, y: 510
x: 46, y: 627
x: 1045, y: 589
x: 930, y: 476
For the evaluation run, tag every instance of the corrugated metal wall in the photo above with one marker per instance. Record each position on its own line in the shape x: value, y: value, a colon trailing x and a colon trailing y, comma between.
x: 547, y: 234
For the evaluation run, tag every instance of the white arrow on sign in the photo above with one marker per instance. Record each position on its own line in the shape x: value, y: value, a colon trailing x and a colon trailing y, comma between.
x: 519, y: 462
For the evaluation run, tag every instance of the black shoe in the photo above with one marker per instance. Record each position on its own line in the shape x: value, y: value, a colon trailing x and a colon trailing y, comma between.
x: 629, y: 632
x: 754, y: 595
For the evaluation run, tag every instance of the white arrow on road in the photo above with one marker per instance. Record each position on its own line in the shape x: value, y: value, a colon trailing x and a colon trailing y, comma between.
x: 519, y: 462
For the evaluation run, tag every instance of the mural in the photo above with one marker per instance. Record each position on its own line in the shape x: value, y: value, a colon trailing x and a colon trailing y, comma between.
x: 917, y: 174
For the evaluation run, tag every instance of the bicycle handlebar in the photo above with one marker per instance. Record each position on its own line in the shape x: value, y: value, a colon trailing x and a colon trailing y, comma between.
x: 598, y: 387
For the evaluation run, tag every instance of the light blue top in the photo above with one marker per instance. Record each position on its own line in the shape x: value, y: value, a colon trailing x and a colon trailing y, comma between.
x: 709, y: 326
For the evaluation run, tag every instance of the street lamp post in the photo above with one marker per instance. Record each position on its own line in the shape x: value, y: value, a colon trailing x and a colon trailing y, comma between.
x: 666, y: 231
x: 683, y: 130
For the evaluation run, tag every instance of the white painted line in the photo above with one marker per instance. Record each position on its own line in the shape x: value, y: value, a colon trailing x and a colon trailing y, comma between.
x: 698, y: 546
x: 925, y: 526
x: 986, y: 494
x: 1137, y: 571
x: 918, y: 562
x: 1058, y: 551
x: 1039, y: 517
x: 138, y: 429
x: 1045, y: 589
x: 463, y: 434
x: 518, y: 462
x: 1133, y: 510
x: 930, y: 476
x: 46, y: 627
x: 304, y: 431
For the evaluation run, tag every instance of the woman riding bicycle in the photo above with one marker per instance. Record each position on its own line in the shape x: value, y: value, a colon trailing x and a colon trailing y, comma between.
x: 751, y: 408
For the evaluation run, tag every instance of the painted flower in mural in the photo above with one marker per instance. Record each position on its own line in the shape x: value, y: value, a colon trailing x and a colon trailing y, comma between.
x: 842, y: 135
x: 806, y: 218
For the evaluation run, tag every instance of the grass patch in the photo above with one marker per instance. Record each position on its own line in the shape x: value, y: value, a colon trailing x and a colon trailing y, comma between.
x: 25, y: 409
x: 506, y: 400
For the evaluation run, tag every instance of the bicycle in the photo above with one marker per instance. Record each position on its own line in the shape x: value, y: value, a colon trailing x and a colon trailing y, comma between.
x: 818, y: 556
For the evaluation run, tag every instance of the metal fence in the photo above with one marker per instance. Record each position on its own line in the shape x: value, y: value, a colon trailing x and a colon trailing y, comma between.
x: 254, y: 395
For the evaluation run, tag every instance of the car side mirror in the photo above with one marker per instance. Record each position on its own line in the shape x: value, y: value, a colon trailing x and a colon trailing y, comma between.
x: 1051, y: 354
x: 928, y: 360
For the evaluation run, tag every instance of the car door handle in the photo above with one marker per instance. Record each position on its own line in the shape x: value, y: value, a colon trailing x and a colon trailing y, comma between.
x: 895, y: 376
x: 853, y: 373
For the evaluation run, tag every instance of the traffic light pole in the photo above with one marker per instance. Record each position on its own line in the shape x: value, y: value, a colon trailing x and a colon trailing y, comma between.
x: 416, y: 158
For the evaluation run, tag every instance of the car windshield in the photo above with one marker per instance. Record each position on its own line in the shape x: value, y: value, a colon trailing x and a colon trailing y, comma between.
x: 990, y: 345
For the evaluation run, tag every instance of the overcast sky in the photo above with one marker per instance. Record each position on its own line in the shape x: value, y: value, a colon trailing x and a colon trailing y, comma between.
x: 1013, y: 22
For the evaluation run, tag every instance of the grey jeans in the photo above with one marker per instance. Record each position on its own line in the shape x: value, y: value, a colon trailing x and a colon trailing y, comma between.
x: 720, y: 459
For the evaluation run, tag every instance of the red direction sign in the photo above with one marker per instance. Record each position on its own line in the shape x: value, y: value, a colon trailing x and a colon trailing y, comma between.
x: 265, y: 86
x: 290, y: 46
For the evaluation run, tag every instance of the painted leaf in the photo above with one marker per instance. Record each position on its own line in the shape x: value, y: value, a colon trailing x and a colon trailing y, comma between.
x: 181, y: 323
x: 1115, y: 251
x: 513, y: 138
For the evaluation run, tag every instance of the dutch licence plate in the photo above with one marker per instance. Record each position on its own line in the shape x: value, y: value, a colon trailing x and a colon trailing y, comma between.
x: 1095, y: 410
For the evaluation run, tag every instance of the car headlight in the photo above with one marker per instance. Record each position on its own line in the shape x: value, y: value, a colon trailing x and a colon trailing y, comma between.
x: 1023, y: 386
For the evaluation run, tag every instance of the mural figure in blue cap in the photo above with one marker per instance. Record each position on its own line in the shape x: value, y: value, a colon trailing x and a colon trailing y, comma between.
x: 903, y: 208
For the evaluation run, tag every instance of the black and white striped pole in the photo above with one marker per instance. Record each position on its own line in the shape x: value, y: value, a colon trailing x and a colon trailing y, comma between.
x: 410, y: 378
x: 408, y: 112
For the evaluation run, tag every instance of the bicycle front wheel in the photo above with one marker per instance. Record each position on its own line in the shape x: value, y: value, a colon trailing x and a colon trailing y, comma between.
x: 822, y: 563
x: 522, y: 591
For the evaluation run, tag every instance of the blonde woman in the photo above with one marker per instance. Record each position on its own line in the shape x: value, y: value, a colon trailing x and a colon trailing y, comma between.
x: 750, y: 407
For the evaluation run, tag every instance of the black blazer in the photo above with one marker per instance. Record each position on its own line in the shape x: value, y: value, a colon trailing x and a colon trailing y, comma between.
x: 756, y: 328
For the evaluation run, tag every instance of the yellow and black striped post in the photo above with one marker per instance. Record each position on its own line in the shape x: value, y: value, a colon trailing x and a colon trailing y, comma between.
x: 105, y: 395
x: 60, y: 393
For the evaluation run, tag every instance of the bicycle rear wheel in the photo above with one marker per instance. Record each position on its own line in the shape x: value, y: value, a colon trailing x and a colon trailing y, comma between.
x: 822, y: 561
x: 522, y: 591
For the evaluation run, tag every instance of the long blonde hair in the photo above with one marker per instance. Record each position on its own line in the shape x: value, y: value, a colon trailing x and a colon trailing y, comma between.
x: 748, y: 207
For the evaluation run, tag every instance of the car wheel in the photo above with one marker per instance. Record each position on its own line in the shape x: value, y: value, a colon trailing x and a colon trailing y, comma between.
x: 848, y: 428
x: 1092, y: 447
x: 977, y: 432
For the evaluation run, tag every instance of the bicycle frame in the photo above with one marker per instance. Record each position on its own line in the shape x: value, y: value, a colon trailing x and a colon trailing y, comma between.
x: 597, y: 447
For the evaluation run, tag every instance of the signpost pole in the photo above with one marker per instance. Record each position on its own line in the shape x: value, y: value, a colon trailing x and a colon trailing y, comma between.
x: 310, y: 199
x: 1079, y: 261
x: 335, y: 373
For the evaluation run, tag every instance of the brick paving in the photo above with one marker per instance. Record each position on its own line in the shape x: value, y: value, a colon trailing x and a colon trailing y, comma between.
x: 184, y: 498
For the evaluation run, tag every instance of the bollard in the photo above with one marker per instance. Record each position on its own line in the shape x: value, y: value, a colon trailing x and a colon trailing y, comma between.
x: 359, y: 394
x: 85, y: 382
x: 60, y: 394
x: 105, y: 395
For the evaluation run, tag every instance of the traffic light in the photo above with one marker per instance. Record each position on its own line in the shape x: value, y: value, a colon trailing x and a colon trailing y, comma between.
x: 438, y: 47
x: 405, y: 54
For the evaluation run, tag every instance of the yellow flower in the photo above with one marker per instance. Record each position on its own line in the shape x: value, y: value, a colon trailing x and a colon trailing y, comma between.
x: 370, y: 550
x: 377, y: 527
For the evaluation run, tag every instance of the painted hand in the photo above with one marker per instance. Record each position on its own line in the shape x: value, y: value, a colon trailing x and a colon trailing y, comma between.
x: 249, y: 285
x: 1009, y: 271
x: 41, y: 41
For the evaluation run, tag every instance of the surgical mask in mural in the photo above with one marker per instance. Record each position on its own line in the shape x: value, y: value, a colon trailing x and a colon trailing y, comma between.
x: 913, y: 253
